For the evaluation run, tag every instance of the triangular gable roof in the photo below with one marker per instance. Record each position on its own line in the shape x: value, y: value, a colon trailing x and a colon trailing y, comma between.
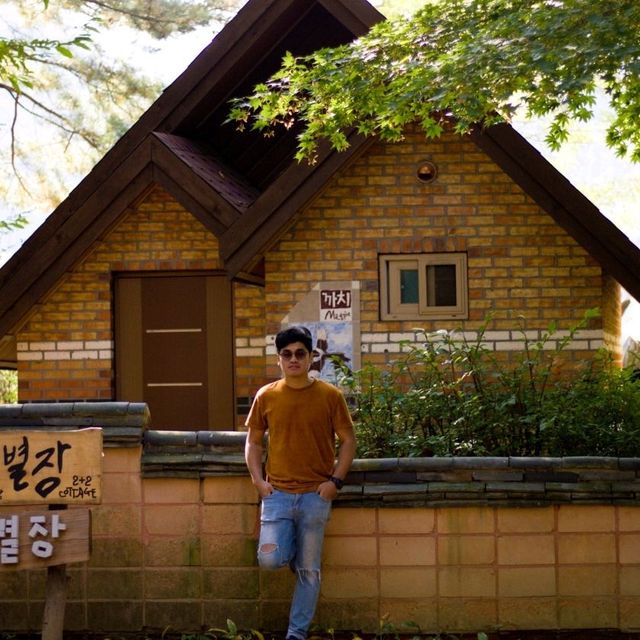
x: 227, y: 179
x: 246, y: 188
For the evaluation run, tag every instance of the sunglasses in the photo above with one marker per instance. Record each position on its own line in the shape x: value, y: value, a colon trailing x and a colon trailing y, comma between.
x: 300, y: 354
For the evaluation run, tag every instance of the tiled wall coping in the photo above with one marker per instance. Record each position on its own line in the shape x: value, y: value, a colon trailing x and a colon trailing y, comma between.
x: 517, y: 481
x: 123, y: 423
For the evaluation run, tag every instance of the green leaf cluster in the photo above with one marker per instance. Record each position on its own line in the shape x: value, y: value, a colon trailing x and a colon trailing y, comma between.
x: 449, y: 396
x: 13, y: 223
x: 466, y: 62
x: 18, y: 55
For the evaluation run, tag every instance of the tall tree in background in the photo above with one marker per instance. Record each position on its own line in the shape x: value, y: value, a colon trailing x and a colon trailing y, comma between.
x: 467, y: 61
x: 68, y: 88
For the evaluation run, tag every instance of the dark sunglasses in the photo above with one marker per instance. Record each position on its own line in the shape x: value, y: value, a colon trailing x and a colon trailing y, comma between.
x: 300, y: 354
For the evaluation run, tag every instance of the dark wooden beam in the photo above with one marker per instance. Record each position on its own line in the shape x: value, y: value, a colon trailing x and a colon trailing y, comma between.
x: 201, y: 212
x: 356, y: 15
x: 231, y: 57
x: 260, y: 226
x: 49, y: 242
x: 181, y: 173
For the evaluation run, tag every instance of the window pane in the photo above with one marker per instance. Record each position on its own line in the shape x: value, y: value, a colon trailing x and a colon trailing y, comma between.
x: 409, y: 286
x: 441, y: 285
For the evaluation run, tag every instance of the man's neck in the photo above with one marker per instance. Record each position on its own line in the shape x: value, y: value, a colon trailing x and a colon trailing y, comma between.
x: 298, y: 382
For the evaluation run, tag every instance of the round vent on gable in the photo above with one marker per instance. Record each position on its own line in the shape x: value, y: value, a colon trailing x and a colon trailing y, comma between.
x: 426, y: 172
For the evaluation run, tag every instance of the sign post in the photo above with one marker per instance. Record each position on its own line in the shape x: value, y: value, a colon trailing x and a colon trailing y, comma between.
x: 48, y: 470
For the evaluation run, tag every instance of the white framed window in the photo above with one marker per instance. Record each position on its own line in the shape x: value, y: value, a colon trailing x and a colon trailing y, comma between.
x: 423, y: 285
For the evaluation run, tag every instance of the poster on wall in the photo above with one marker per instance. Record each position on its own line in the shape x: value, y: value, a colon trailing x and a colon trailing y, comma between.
x: 336, y: 305
x: 330, y: 340
x: 331, y: 312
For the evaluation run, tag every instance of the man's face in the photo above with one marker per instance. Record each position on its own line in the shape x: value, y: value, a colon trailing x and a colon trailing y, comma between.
x: 294, y: 360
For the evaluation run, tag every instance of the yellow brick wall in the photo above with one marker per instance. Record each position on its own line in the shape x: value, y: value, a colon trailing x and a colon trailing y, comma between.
x: 181, y: 552
x: 471, y: 568
x: 612, y: 316
x: 65, y: 349
x: 520, y: 263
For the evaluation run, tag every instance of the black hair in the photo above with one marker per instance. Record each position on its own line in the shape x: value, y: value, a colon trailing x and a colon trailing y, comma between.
x: 297, y: 333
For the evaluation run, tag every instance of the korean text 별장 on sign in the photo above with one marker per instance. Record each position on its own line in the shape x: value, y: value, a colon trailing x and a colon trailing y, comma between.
x: 50, y: 467
x: 33, y: 539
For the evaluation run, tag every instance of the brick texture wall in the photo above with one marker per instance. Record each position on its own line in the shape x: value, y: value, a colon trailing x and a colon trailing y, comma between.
x: 65, y: 349
x: 612, y: 316
x: 520, y: 263
x: 180, y: 552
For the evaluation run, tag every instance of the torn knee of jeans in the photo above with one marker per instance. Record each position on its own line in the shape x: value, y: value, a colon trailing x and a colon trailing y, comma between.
x: 268, y: 547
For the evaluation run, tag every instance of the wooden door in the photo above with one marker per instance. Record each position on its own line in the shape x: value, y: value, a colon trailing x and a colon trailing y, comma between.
x: 174, y: 348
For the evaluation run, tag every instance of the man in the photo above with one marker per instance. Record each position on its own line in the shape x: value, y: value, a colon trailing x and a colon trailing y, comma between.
x: 302, y: 416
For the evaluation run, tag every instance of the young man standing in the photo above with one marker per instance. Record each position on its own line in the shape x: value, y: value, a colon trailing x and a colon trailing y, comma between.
x: 302, y: 416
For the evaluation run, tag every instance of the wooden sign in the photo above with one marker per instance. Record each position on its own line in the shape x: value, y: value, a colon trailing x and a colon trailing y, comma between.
x: 50, y: 467
x: 41, y: 538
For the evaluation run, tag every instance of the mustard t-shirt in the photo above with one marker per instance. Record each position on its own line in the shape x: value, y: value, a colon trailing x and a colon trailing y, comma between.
x: 301, y: 425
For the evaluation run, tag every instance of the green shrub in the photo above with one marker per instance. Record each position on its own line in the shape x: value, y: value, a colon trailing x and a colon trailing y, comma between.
x: 451, y: 396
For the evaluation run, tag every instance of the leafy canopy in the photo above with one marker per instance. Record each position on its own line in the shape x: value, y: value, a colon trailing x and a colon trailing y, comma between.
x: 475, y: 62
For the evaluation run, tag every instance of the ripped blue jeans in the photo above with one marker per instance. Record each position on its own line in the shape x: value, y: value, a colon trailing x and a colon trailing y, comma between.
x: 291, y: 533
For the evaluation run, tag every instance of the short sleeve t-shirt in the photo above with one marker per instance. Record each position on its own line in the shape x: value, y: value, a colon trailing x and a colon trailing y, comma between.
x: 301, y: 425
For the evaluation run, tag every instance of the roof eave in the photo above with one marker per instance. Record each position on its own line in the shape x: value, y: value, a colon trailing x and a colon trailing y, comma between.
x: 257, y: 230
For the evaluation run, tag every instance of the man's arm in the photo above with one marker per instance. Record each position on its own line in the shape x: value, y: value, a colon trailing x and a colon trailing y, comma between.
x: 253, y: 450
x: 346, y: 453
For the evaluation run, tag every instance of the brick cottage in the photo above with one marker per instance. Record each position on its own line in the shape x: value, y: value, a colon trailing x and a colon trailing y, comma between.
x: 162, y: 279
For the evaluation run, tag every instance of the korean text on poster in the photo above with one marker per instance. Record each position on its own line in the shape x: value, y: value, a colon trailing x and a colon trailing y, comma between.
x: 335, y: 305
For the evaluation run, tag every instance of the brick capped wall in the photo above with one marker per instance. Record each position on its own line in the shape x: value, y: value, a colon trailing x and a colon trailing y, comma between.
x: 180, y: 553
x: 459, y: 544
